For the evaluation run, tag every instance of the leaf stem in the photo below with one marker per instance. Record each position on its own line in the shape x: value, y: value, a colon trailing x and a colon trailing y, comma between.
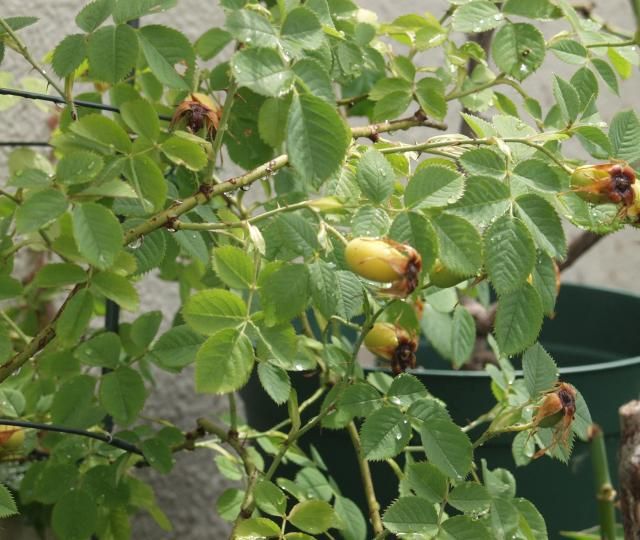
x: 367, y: 481
x: 627, y: 43
x: 15, y: 327
x: 27, y: 56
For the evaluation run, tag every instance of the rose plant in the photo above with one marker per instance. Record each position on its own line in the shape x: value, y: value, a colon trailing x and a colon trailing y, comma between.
x: 337, y: 235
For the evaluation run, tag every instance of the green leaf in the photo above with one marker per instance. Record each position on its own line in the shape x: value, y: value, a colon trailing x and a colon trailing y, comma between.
x: 391, y: 106
x: 270, y: 498
x: 518, y: 49
x: 324, y: 285
x: 389, y: 86
x: 313, y: 77
x: 594, y: 141
x: 78, y: 167
x: 176, y: 348
x: 251, y: 28
x: 285, y: 293
x: 531, y: 520
x: 434, y: 186
x: 510, y: 254
x: 384, y: 434
x: 75, y: 318
x: 483, y: 162
x: 317, y: 138
x: 141, y: 117
x: 122, y: 394
x: 427, y: 482
x: 370, y: 221
x: 518, y: 319
x: 163, y: 48
x: 117, y: 288
x: 461, y: 245
x: 295, y: 234
x: 212, y: 310
x: 101, y: 350
x: 350, y: 295
x: 212, y: 42
x: 484, y: 199
x: 430, y: 95
x: 257, y: 527
x: 224, y: 362
x: 7, y: 504
x: 75, y: 516
x: 301, y: 30
x: 540, y: 371
x: 112, y: 52
x: 476, y: 16
x: 94, y: 14
x: 145, y: 328
x: 229, y: 503
x: 73, y: 403
x: 69, y: 54
x: 272, y: 121
x: 104, y: 131
x: 411, y: 515
x: 543, y: 223
x: 446, y: 446
x: 567, y: 98
x: 570, y: 51
x: 463, y: 336
x: 60, y: 274
x: 405, y: 389
x: 39, y: 209
x: 375, y: 176
x: 545, y: 283
x: 469, y: 497
x: 97, y: 234
x: 275, y: 382
x: 9, y: 287
x: 414, y: 229
x: 184, y: 152
x: 233, y: 266
x: 537, y: 174
x: 504, y: 518
x: 608, y: 75
x: 360, y: 399
x: 263, y: 71
x: 465, y: 528
x: 624, y: 134
x: 534, y: 9
x: 158, y: 454
x: 313, y: 517
x: 351, y: 522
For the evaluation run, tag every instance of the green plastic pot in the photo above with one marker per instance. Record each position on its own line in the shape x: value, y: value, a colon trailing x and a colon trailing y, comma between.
x: 594, y: 340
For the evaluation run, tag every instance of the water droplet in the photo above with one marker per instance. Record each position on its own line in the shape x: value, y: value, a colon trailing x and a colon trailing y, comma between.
x: 398, y: 436
x: 405, y: 422
x: 396, y: 400
x: 298, y: 367
x: 523, y: 68
x: 498, y: 16
x: 137, y: 242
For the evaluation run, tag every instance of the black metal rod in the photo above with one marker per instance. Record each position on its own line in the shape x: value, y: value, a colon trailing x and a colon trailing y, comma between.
x: 24, y: 143
x: 109, y: 439
x: 61, y: 101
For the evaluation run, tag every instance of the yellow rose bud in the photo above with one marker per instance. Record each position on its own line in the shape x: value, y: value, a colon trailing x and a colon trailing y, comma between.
x: 393, y: 343
x: 11, y: 438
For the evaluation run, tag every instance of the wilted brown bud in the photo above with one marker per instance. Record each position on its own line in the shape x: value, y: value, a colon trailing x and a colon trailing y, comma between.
x: 197, y: 112
x: 392, y: 343
x: 606, y: 182
x: 557, y: 410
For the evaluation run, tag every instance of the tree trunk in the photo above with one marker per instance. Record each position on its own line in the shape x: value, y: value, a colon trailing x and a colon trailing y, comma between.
x: 629, y: 469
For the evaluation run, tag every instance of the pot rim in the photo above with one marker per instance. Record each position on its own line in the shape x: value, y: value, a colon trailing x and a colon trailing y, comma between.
x: 568, y: 370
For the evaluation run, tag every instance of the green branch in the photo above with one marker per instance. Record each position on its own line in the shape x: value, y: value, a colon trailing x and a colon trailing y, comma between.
x: 628, y: 43
x: 367, y: 481
x: 605, y: 494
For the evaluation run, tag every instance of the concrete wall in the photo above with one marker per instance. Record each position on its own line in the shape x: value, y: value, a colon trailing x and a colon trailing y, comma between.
x: 188, y: 494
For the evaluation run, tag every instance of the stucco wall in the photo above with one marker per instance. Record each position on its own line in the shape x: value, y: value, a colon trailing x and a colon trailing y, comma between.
x: 188, y: 494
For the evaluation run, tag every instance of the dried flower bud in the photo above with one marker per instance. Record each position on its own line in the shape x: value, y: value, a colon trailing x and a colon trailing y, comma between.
x: 557, y: 410
x: 392, y: 343
x: 385, y: 261
x: 606, y: 182
x: 198, y: 111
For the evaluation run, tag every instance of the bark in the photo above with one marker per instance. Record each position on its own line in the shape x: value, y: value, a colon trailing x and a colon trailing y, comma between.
x: 629, y: 469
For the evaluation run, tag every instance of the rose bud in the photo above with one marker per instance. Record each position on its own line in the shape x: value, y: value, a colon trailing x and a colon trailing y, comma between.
x: 442, y: 277
x: 557, y: 410
x: 392, y: 343
x: 197, y: 112
x: 385, y: 261
x: 606, y: 182
x: 11, y: 438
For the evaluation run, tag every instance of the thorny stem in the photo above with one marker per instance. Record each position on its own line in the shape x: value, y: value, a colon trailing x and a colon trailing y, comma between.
x: 105, y: 438
x: 367, y: 481
x: 27, y: 56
